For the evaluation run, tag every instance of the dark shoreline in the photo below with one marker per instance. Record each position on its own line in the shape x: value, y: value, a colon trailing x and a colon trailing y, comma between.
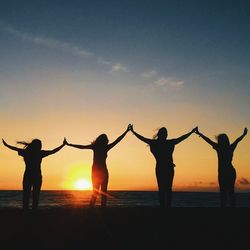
x: 125, y: 228
x: 123, y: 199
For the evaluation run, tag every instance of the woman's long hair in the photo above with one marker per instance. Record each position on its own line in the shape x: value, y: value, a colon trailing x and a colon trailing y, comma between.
x: 101, y: 140
x: 161, y: 133
x: 36, y: 144
x: 223, y: 140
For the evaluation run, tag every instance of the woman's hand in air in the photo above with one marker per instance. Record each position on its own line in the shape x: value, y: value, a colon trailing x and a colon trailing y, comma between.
x: 197, y: 131
x: 245, y: 131
x: 4, y: 142
x: 130, y: 126
x: 65, y: 141
x: 194, y: 130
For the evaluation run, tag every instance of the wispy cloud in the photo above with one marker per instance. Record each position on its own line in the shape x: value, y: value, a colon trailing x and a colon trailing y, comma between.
x: 103, y: 61
x: 48, y: 42
x: 243, y: 181
x: 118, y: 67
x: 80, y: 52
x: 168, y: 82
x: 115, y: 67
x: 61, y: 45
x: 148, y: 74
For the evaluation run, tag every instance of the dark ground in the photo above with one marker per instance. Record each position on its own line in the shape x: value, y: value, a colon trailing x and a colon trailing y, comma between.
x: 126, y: 228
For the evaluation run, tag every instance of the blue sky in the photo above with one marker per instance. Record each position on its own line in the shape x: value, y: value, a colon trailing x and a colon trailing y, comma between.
x: 201, y: 48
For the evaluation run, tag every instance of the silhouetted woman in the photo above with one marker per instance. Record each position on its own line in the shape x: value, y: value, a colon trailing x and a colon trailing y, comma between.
x: 226, y: 171
x: 163, y: 149
x: 100, y: 175
x: 32, y: 154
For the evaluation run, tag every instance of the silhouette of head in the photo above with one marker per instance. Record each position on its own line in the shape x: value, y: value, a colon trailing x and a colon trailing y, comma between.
x: 35, y: 145
x: 101, y: 140
x: 162, y: 134
x: 223, y: 140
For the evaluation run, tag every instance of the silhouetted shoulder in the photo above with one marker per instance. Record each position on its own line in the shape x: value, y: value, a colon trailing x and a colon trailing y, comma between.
x: 45, y: 153
x: 233, y: 146
x: 151, y: 142
x: 172, y: 141
x: 21, y: 152
x: 215, y: 146
x: 95, y: 147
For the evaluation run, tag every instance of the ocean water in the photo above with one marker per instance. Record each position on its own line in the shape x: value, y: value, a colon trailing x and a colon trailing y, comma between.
x: 52, y: 199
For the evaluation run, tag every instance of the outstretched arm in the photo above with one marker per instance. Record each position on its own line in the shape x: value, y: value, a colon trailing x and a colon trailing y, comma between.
x: 140, y: 137
x: 234, y: 144
x: 55, y: 150
x: 9, y: 146
x: 111, y: 145
x: 79, y: 146
x: 213, y: 144
x: 184, y: 137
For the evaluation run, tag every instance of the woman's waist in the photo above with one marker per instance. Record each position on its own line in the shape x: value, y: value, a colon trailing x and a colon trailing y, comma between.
x: 225, y: 164
x: 168, y: 164
x: 100, y: 171
x: 33, y: 173
x: 99, y: 166
x: 225, y: 167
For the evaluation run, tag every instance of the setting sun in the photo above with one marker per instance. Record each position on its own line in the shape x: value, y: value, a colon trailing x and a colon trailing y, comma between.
x: 82, y: 184
x: 77, y: 177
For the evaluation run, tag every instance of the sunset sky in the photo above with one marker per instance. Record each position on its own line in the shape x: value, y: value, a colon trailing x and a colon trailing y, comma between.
x: 77, y: 69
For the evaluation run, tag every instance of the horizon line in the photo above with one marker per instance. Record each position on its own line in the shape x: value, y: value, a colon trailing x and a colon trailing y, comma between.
x: 134, y: 190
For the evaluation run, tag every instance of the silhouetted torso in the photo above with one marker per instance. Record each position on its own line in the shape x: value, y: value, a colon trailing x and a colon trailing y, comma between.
x: 100, y: 156
x: 32, y: 161
x: 163, y: 152
x: 225, y: 157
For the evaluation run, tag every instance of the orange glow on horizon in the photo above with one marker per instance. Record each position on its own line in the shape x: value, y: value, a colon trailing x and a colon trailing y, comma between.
x: 82, y: 184
x: 130, y: 164
x: 77, y: 177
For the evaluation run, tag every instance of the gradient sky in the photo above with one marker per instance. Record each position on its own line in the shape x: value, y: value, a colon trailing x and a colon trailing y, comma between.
x: 81, y: 68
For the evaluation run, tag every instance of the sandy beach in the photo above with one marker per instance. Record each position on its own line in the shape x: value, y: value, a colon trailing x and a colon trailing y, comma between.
x: 125, y: 228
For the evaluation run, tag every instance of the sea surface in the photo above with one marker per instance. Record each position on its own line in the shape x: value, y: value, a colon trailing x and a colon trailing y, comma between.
x: 52, y: 199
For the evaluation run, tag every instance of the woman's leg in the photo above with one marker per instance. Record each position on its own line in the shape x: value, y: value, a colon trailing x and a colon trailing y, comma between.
x: 161, y: 192
x: 104, y: 189
x: 96, y: 187
x: 169, y: 183
x: 26, y: 192
x: 222, y: 178
x: 231, y: 189
x: 165, y: 181
x: 95, y: 193
x: 223, y: 197
x: 232, y: 198
x: 36, y: 192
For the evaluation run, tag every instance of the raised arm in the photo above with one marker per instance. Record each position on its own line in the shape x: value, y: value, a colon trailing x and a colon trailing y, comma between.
x: 55, y: 150
x: 111, y: 145
x: 79, y: 146
x: 140, y: 137
x: 235, y: 143
x: 213, y: 144
x: 10, y: 147
x: 184, y: 137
